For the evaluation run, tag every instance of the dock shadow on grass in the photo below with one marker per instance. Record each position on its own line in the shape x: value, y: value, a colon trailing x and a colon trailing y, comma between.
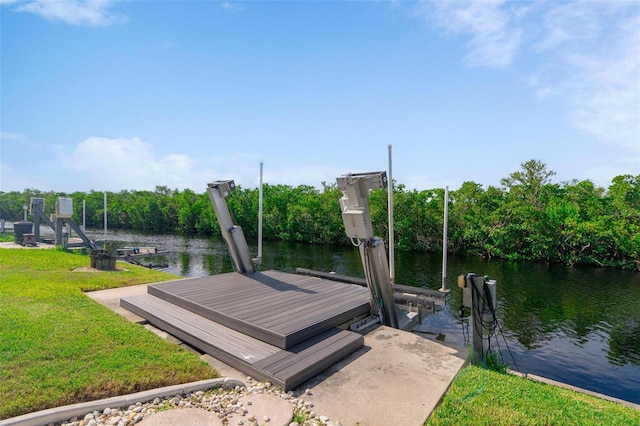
x: 90, y: 269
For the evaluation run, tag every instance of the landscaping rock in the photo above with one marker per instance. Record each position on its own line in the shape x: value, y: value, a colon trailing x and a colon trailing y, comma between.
x: 257, y: 403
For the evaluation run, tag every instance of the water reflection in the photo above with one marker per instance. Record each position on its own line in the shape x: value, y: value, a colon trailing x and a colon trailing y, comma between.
x: 576, y: 325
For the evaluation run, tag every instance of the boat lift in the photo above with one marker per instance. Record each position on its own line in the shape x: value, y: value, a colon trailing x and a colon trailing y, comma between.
x: 58, y: 222
x: 396, y: 306
x: 232, y: 233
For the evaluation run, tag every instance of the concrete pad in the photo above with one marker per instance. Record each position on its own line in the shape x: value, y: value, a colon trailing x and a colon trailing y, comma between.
x: 265, y: 408
x: 111, y: 299
x: 397, y: 378
x: 224, y: 370
x: 182, y: 416
x: 12, y: 245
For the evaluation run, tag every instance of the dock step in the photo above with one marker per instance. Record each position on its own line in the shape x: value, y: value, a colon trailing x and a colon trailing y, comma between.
x: 286, y: 368
x: 279, y: 308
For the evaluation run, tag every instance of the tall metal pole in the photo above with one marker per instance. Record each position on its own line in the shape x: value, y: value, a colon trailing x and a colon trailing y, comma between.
x: 105, y: 215
x: 260, y: 217
x: 392, y: 268
x: 84, y: 215
x: 444, y: 240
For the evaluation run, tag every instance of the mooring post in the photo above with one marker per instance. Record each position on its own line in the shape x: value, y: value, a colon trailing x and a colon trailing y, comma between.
x: 36, y: 220
x: 479, y: 293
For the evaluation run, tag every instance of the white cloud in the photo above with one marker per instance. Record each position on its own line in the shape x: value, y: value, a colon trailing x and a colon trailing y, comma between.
x: 542, y: 85
x: 493, y: 30
x: 593, y: 49
x: 18, y: 180
x: 12, y: 136
x: 93, y: 13
x: 608, y: 95
x: 310, y: 175
x: 129, y: 163
x: 568, y: 23
x: 602, y: 176
x: 588, y: 52
x: 232, y: 6
x: 9, y: 138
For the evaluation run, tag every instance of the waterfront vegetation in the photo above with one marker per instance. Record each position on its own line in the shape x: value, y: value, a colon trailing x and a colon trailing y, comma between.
x: 527, y: 218
x: 58, y: 346
x: 479, y: 396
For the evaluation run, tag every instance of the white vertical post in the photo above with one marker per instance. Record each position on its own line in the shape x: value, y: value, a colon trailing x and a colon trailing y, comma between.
x: 105, y: 215
x: 260, y: 217
x: 84, y: 215
x: 444, y: 240
x: 392, y: 268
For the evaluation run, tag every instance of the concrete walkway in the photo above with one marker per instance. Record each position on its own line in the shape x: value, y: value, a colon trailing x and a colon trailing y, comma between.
x: 12, y: 245
x: 398, y: 377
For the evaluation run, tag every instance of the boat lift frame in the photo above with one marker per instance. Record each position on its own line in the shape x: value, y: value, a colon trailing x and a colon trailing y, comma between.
x: 37, y: 211
x: 232, y: 233
x: 397, y: 306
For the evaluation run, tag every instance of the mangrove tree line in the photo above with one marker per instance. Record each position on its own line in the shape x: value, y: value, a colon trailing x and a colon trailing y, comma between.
x: 527, y: 218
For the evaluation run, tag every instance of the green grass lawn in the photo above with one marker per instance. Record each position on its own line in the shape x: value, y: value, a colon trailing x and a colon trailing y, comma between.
x: 58, y: 346
x: 6, y: 236
x: 483, y: 397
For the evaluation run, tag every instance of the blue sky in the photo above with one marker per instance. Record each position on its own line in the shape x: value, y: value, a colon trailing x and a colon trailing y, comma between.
x: 113, y: 95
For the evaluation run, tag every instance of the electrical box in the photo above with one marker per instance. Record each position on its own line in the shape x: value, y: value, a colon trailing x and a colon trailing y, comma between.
x: 465, y: 283
x: 491, y: 285
x: 64, y: 207
x: 355, y: 224
x: 36, y: 203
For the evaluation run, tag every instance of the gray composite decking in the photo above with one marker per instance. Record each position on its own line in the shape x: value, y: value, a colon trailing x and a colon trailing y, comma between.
x: 285, y: 368
x: 270, y: 325
x: 279, y: 308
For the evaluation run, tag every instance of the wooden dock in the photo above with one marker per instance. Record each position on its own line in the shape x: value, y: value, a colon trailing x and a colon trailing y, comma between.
x: 275, y: 326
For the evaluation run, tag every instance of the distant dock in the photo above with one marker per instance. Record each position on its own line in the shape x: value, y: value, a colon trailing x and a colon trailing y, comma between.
x: 134, y: 255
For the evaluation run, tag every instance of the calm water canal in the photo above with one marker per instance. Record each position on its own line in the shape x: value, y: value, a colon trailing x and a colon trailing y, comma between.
x: 576, y: 325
